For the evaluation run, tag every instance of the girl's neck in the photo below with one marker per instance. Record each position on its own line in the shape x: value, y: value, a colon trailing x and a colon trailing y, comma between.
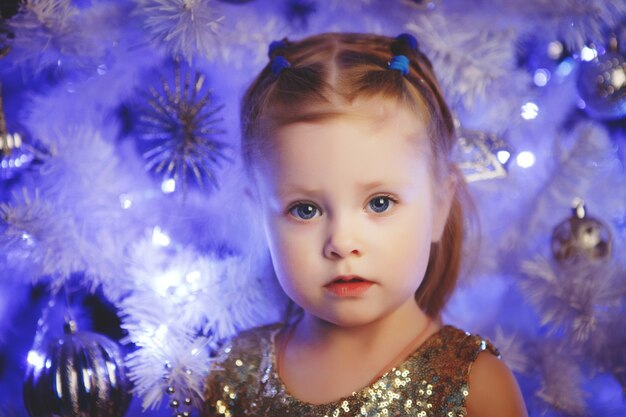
x: 319, y: 362
x: 405, y: 323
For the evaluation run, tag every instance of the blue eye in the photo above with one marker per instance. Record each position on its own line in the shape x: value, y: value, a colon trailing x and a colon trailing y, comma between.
x: 380, y: 204
x: 303, y: 211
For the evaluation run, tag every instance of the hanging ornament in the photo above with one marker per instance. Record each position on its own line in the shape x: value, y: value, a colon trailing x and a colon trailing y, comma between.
x: 179, y: 124
x: 481, y: 156
x: 581, y: 237
x: 602, y: 83
x: 80, y: 374
x: 15, y: 155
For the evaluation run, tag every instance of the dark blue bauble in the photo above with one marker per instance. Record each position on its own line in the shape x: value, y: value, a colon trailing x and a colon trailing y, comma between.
x: 602, y: 85
x: 80, y: 374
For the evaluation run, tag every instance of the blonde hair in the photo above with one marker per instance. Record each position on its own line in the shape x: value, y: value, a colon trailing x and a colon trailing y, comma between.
x: 329, y: 71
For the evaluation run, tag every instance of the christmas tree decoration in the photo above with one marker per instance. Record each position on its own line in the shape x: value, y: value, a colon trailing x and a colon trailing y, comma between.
x: 81, y: 373
x: 15, y: 154
x: 481, y: 156
x: 180, y: 124
x: 168, y: 365
x: 581, y: 237
x: 185, y: 27
x: 602, y: 84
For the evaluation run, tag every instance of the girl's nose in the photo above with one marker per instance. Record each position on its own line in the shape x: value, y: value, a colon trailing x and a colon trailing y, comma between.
x: 341, y: 240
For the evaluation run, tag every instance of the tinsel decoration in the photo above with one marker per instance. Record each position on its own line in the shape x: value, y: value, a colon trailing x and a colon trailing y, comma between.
x: 581, y: 236
x: 602, y: 84
x: 185, y: 27
x: 15, y: 155
x: 481, y: 156
x: 179, y: 123
x: 80, y: 374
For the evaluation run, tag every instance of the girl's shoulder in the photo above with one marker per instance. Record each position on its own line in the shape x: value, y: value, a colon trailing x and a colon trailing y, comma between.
x: 465, y: 346
x: 487, y: 383
x: 238, y: 368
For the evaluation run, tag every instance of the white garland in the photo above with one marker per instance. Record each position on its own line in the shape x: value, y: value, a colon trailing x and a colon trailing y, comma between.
x: 466, y: 62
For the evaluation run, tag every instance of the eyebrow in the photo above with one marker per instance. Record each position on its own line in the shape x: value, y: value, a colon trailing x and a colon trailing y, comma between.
x: 363, y: 187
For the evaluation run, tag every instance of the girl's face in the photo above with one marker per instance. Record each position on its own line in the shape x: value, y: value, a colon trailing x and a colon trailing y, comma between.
x: 352, y: 196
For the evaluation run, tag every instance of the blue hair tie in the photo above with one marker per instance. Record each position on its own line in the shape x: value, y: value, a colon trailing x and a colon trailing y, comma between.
x: 408, y: 40
x: 400, y: 63
x: 274, y: 46
x: 279, y: 63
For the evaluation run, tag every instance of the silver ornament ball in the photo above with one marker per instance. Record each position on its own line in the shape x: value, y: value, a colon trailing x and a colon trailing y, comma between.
x: 581, y: 237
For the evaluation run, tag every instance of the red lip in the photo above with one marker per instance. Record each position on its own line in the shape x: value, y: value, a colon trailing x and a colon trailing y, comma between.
x: 348, y: 286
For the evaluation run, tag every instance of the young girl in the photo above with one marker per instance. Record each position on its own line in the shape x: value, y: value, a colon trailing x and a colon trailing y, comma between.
x: 348, y: 139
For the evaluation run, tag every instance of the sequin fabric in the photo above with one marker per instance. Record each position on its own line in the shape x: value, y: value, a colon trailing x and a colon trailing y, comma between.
x: 432, y: 381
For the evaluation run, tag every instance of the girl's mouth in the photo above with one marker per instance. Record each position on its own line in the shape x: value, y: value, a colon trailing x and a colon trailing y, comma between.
x: 348, y: 286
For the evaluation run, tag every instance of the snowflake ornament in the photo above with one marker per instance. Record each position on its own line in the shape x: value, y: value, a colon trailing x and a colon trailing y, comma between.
x: 180, y: 122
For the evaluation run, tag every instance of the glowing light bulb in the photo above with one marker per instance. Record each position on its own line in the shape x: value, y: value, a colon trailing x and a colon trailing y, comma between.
x: 125, y: 201
x: 503, y: 156
x: 525, y: 159
x: 530, y: 111
x: 541, y: 77
x: 193, y: 277
x: 35, y: 359
x: 168, y: 186
x: 588, y: 54
x: 160, y: 238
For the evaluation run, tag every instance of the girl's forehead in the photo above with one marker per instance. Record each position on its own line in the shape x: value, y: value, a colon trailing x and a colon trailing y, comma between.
x: 380, y: 120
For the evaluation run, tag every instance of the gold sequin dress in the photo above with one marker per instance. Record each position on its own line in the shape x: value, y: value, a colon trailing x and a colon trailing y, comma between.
x: 432, y: 381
